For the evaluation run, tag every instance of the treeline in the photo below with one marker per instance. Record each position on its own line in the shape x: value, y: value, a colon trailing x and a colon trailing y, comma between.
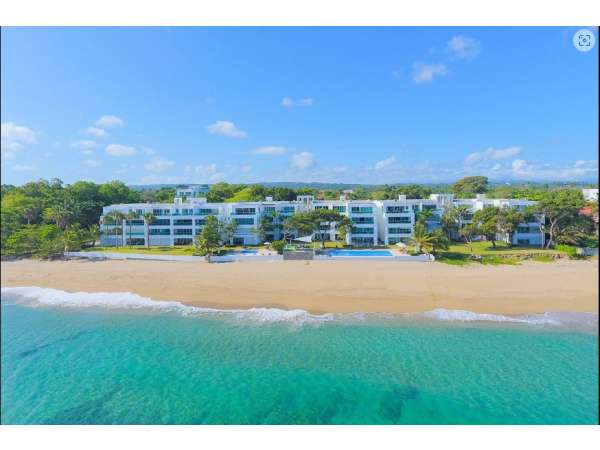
x: 45, y: 218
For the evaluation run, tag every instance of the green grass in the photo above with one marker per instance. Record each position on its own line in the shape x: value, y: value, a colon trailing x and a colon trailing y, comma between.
x: 454, y: 259
x: 543, y: 258
x: 485, y: 248
x: 498, y: 260
x: 185, y: 250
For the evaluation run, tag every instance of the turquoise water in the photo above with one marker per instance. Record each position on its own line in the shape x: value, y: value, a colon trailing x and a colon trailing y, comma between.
x: 95, y: 365
x: 359, y: 253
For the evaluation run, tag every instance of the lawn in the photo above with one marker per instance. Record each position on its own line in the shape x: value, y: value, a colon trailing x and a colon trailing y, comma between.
x: 182, y: 250
x: 458, y: 254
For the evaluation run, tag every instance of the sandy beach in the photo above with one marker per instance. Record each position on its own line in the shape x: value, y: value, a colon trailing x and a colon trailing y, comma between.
x: 324, y: 286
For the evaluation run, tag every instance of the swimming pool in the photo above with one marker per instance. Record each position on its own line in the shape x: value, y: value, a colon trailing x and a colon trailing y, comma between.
x: 359, y: 253
x: 243, y: 252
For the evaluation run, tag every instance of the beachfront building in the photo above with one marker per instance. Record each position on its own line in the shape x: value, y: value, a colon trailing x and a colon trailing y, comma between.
x: 374, y: 222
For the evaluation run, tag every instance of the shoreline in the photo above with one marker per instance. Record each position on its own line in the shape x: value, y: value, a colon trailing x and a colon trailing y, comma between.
x: 328, y: 287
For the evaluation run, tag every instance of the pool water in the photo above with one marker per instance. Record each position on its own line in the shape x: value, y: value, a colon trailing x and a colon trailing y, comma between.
x: 361, y: 253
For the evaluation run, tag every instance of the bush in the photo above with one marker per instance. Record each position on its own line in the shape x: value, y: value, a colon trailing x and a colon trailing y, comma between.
x: 570, y: 250
x: 278, y: 246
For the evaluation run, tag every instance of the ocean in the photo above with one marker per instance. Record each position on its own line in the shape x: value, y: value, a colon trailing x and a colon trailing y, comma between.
x: 123, y: 359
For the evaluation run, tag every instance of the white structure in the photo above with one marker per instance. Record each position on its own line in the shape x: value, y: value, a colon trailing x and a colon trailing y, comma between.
x: 376, y: 222
x: 590, y: 195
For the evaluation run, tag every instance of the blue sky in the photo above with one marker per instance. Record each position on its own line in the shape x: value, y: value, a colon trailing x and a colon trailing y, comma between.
x: 360, y: 105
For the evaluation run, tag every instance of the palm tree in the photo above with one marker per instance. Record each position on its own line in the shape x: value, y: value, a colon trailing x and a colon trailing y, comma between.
x: 461, y: 211
x: 120, y: 218
x: 421, y: 239
x: 131, y: 216
x: 148, y: 219
x: 94, y: 233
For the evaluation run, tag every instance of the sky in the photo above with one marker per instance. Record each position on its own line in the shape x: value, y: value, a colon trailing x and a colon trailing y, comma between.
x: 355, y: 105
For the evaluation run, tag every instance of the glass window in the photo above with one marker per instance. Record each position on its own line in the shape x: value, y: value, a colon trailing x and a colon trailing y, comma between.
x: 401, y: 219
x: 362, y: 210
x: 160, y: 231
x: 161, y: 222
x: 182, y: 222
x: 362, y: 219
x: 245, y: 211
x: 182, y: 231
x: 341, y: 209
x: 357, y: 230
x: 244, y: 220
x: 399, y: 230
x: 396, y: 209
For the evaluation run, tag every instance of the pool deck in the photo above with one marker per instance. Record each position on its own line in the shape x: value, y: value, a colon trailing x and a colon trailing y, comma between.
x: 239, y: 257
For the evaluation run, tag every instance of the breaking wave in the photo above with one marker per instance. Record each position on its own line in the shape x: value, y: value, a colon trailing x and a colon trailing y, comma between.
x: 40, y: 297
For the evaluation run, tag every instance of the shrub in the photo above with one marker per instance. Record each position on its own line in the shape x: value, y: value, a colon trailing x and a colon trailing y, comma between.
x: 570, y: 250
x: 278, y: 246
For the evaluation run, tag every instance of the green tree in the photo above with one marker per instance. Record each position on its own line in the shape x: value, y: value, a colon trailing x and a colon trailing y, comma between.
x: 468, y: 232
x: 560, y: 210
x: 467, y: 187
x: 148, y: 219
x: 302, y: 223
x: 421, y: 239
x: 486, y: 220
x: 130, y: 216
x: 227, y: 230
x: 209, y: 239
x: 119, y: 221
x: 508, y: 222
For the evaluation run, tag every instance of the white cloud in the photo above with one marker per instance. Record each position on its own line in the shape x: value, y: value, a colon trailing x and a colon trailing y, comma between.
x: 120, y: 150
x: 164, y: 179
x: 302, y: 160
x: 84, y: 145
x: 148, y: 151
x: 23, y: 168
x: 579, y: 170
x: 159, y: 164
x: 13, y: 138
x: 225, y: 128
x: 288, y: 102
x: 17, y: 133
x: 109, y: 121
x: 95, y: 132
x: 492, y: 154
x: 307, y: 101
x: 425, y: 73
x: 205, y: 169
x: 461, y: 47
x: 270, y: 150
x: 91, y: 163
x: 385, y: 163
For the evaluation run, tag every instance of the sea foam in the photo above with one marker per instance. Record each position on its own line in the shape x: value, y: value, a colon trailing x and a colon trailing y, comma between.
x: 39, y: 297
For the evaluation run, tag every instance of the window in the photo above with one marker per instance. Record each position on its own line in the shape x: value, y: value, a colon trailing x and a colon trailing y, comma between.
x: 362, y: 241
x: 245, y: 211
x: 399, y: 230
x: 430, y: 207
x: 238, y: 241
x: 523, y: 241
x: 357, y: 230
x: 340, y: 209
x: 161, y: 222
x: 200, y: 222
x: 135, y: 222
x: 362, y: 210
x: 401, y: 219
x: 182, y: 241
x: 135, y: 241
x: 268, y: 209
x: 362, y: 219
x: 206, y: 212
x: 187, y: 212
x: 244, y: 220
x: 324, y: 227
x: 415, y: 208
x: 467, y: 217
x: 183, y: 231
x: 396, y: 209
x: 160, y: 231
x: 288, y: 209
x: 321, y: 207
x: 161, y: 212
x: 182, y: 222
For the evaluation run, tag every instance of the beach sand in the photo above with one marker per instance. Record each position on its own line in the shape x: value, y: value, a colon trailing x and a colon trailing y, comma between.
x: 329, y: 286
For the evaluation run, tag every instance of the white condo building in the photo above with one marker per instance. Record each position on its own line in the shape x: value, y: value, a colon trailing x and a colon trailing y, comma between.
x: 375, y: 222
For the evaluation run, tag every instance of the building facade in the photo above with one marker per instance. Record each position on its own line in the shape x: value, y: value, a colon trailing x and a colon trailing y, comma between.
x: 375, y: 222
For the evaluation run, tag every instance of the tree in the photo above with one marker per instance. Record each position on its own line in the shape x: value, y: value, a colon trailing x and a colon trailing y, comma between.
x: 328, y: 217
x: 468, y: 187
x: 486, y: 220
x: 453, y: 218
x: 119, y: 219
x: 508, y: 222
x: 148, y: 219
x: 227, y: 230
x: 209, y: 239
x: 468, y: 232
x: 93, y: 234
x: 421, y: 239
x: 559, y: 210
x: 424, y: 216
x: 130, y: 216
x: 301, y: 222
x: 438, y: 241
